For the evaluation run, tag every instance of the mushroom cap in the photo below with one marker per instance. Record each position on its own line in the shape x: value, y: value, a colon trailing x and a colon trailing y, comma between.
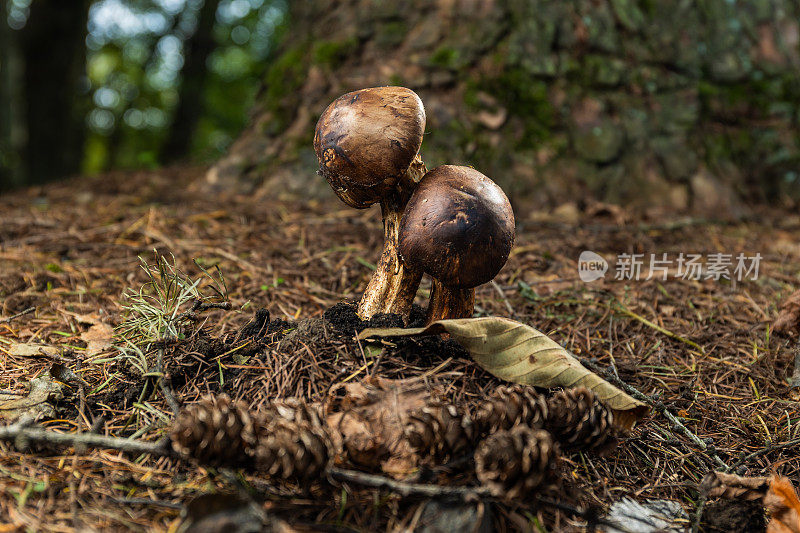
x: 458, y: 227
x: 365, y: 140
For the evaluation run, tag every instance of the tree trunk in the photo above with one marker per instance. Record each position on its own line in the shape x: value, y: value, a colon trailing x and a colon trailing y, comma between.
x: 54, y: 54
x: 6, y: 176
x: 197, y: 49
x: 661, y: 106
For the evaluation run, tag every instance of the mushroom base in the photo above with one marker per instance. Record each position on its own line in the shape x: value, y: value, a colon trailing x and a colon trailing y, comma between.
x: 450, y: 302
x: 393, y: 285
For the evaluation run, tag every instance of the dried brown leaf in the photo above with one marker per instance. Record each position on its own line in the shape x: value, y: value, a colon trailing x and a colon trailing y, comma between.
x: 36, y: 404
x: 97, y: 338
x: 733, y: 487
x: 777, y: 494
x: 519, y: 353
x: 788, y: 318
x: 372, y: 420
x: 29, y: 349
x: 783, y: 505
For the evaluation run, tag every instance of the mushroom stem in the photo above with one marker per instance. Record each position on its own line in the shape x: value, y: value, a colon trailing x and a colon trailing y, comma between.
x: 393, y: 285
x: 449, y: 302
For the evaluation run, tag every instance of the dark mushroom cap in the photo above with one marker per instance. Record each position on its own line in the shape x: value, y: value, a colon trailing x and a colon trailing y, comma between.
x: 366, y: 140
x: 458, y: 227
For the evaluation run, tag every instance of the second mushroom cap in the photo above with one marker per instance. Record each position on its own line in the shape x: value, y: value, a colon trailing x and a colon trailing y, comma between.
x: 458, y: 227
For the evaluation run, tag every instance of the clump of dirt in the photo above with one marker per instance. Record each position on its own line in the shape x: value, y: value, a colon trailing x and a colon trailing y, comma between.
x: 261, y: 327
x: 19, y: 301
x: 11, y: 283
x: 343, y: 319
x: 724, y: 516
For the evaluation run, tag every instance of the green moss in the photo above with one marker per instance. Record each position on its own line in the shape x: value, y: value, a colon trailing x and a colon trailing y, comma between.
x: 526, y: 99
x: 391, y: 34
x: 445, y: 57
x: 333, y: 53
x: 284, y: 77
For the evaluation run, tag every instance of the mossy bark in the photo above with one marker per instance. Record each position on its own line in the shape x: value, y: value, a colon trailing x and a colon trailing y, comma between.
x: 629, y: 102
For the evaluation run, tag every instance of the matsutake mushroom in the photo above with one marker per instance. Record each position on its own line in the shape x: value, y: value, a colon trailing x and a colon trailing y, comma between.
x: 458, y: 227
x: 367, y: 143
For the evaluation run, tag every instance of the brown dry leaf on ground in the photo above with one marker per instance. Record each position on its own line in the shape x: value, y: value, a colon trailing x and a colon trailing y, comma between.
x: 36, y: 404
x: 29, y: 349
x: 97, y: 338
x: 521, y: 354
x: 777, y: 494
x: 783, y: 505
x: 733, y: 487
x: 371, y: 427
x: 789, y: 317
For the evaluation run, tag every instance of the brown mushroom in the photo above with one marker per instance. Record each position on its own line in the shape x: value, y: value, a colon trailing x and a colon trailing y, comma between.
x: 367, y: 143
x: 458, y: 227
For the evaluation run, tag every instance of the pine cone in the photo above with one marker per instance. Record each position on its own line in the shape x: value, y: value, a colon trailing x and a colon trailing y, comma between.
x: 512, y: 463
x: 215, y: 431
x: 440, y: 430
x: 289, y: 449
x: 296, y: 410
x: 508, y: 406
x: 580, y: 421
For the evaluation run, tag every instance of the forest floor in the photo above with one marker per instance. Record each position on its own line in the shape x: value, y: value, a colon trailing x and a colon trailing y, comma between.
x: 702, y: 348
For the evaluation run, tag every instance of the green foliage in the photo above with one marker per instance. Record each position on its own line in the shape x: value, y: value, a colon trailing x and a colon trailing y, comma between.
x: 164, y: 307
x: 134, y: 74
x: 445, y: 57
x: 333, y: 53
x: 283, y: 78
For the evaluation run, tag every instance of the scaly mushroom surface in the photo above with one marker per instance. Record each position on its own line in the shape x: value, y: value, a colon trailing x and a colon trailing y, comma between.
x: 367, y: 143
x: 458, y: 227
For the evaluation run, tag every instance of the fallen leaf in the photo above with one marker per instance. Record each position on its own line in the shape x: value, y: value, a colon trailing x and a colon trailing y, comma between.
x: 29, y: 349
x: 97, y: 338
x: 788, y: 318
x: 370, y: 420
x: 63, y: 373
x: 36, y: 404
x: 521, y: 354
x: 783, y: 505
x: 776, y: 493
x: 733, y: 487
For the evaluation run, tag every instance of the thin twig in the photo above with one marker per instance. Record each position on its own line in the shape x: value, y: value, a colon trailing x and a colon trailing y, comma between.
x: 659, y: 407
x: 408, y: 489
x: 795, y: 382
x: 22, y: 431
x: 21, y: 313
x: 165, y: 389
x: 763, y: 451
x: 457, y: 493
x: 200, y: 306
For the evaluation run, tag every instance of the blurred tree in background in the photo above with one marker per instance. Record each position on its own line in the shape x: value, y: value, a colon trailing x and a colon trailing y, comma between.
x: 88, y: 86
x: 654, y: 104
